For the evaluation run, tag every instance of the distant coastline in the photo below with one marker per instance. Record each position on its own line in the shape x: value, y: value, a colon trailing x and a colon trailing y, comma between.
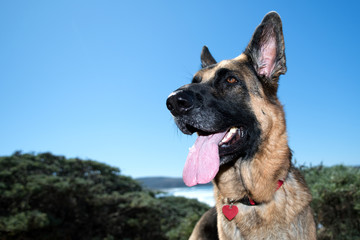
x: 157, y: 183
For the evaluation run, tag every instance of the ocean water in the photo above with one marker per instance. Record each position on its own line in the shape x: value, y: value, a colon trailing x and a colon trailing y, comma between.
x: 201, y: 193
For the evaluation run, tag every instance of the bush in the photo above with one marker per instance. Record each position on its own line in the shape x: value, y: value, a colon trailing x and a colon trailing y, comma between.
x: 336, y: 201
x: 49, y: 197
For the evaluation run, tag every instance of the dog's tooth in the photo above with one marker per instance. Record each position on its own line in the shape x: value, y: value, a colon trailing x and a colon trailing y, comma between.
x: 225, y: 139
x: 230, y: 133
x: 233, y: 130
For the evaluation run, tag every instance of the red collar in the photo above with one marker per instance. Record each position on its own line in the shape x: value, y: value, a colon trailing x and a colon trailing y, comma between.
x: 231, y: 210
x: 279, y: 184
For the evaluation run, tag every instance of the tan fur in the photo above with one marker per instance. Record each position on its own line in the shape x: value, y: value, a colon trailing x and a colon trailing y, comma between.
x: 269, y: 219
x: 283, y: 213
x: 205, y: 229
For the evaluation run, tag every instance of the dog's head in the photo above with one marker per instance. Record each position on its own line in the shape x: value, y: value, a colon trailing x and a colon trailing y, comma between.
x: 232, y: 104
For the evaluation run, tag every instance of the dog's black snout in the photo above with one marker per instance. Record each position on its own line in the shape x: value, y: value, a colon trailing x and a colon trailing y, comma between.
x: 179, y: 103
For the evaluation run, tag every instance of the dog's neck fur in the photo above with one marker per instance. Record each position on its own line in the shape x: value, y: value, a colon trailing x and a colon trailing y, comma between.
x: 258, y: 177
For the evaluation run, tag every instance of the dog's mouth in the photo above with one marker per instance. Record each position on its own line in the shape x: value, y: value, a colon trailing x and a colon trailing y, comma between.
x: 211, y: 150
x: 232, y: 141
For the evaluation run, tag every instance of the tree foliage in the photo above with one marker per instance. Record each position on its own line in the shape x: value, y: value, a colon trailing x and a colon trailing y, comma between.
x: 49, y: 197
x: 336, y: 201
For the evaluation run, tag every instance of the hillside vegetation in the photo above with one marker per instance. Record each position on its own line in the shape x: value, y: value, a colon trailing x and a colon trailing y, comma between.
x: 50, y: 197
x: 336, y: 200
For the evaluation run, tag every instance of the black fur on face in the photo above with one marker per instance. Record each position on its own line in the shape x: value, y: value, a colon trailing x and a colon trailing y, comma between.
x: 218, y: 104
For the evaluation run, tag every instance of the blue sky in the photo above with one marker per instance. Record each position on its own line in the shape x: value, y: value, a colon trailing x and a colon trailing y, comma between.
x: 90, y: 79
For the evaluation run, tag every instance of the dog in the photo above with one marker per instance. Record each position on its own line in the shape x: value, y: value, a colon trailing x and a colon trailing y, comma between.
x: 242, y: 144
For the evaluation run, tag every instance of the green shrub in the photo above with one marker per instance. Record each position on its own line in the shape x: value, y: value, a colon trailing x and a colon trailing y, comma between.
x: 336, y: 200
x: 49, y: 197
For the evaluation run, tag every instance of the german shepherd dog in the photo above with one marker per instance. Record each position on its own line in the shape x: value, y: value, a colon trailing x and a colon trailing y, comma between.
x: 242, y: 143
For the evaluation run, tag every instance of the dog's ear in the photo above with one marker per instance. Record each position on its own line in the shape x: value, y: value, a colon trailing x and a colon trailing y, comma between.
x: 206, y: 58
x: 267, y: 49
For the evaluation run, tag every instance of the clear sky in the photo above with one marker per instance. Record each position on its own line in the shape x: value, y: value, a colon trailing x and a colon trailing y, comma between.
x: 90, y: 79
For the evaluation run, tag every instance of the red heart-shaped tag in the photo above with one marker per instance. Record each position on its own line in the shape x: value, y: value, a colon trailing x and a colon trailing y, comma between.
x: 230, y: 211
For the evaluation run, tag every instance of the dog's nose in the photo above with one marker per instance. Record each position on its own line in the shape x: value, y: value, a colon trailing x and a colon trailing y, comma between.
x: 179, y: 103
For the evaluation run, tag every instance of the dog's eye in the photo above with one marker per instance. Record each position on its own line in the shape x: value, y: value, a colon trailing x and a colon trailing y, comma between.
x: 231, y: 80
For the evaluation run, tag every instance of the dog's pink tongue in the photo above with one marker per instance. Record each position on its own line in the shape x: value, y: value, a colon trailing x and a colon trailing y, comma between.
x: 202, y: 163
